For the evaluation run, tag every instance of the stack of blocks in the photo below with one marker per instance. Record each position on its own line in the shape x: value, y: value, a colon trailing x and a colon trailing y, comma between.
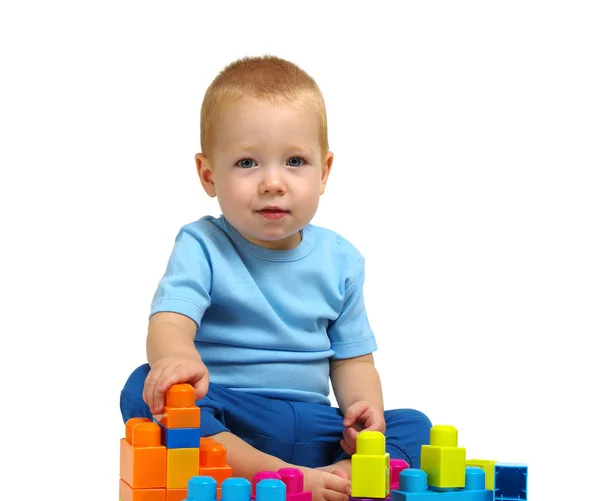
x: 166, y: 460
x: 445, y: 474
x: 158, y: 458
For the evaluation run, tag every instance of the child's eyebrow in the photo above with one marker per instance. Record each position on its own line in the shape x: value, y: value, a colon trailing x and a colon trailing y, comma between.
x: 295, y: 148
x: 302, y: 150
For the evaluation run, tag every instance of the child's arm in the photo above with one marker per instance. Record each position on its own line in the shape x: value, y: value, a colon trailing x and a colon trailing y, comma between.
x: 357, y: 389
x: 173, y: 358
x: 354, y: 380
x: 246, y: 461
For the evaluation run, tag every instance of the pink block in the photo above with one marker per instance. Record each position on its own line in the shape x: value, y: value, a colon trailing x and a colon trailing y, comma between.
x: 396, y: 466
x: 294, y: 484
x: 261, y: 475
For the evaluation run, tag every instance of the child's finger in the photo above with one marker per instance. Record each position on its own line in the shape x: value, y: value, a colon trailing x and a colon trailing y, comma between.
x: 354, y: 412
x: 337, y: 484
x: 332, y: 495
x: 201, y: 387
x: 346, y: 447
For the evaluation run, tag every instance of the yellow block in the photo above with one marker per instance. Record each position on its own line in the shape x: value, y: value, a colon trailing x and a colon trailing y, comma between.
x: 370, y: 466
x: 182, y: 464
x: 444, y: 463
x: 488, y: 466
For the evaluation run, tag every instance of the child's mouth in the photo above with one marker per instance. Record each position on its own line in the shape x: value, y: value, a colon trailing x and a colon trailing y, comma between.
x: 273, y: 213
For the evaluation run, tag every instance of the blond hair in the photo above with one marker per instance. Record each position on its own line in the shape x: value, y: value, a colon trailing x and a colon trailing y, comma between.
x: 267, y: 78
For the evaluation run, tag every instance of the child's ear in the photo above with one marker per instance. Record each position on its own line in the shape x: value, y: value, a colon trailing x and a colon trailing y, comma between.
x: 205, y: 174
x: 326, y: 170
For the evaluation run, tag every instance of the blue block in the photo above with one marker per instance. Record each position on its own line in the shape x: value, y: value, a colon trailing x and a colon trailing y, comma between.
x: 511, y: 482
x: 236, y: 489
x: 413, y: 487
x: 201, y: 488
x: 270, y: 489
x: 180, y: 438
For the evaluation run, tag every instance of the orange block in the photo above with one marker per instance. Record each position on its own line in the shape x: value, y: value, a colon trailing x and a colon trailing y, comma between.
x: 128, y: 493
x: 212, y: 453
x: 213, y: 461
x: 143, y: 458
x: 180, y: 395
x: 181, y: 417
x: 176, y: 495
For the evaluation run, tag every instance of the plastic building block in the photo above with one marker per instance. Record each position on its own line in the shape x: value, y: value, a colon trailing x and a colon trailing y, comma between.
x: 128, y: 493
x: 370, y: 466
x: 176, y: 494
x: 181, y: 417
x: 180, y: 396
x: 142, y: 456
x: 442, y: 460
x: 270, y: 489
x: 293, y: 479
x: 413, y: 487
x: 213, y: 462
x: 487, y: 465
x: 511, y: 482
x: 180, y: 438
x: 201, y: 488
x: 263, y: 475
x: 182, y: 464
x: 235, y: 489
x: 396, y: 466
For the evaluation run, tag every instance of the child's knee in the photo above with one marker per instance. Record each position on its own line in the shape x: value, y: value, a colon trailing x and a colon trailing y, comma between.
x: 131, y: 400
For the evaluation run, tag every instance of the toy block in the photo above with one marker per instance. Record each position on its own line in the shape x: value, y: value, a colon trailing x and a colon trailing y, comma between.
x: 182, y: 464
x: 176, y: 494
x: 235, y: 489
x: 128, y: 493
x: 488, y: 466
x: 370, y: 466
x: 262, y: 475
x: 293, y: 479
x: 396, y: 466
x: 180, y: 438
x: 213, y: 462
x: 143, y: 459
x: 511, y: 481
x: 270, y: 489
x: 442, y: 460
x: 413, y: 487
x: 181, y: 417
x: 201, y: 488
x: 180, y: 396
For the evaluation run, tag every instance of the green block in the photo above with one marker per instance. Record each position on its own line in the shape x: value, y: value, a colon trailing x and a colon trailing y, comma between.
x: 488, y: 466
x: 371, y: 475
x: 445, y: 466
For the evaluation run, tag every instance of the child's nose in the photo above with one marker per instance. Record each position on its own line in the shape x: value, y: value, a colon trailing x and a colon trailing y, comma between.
x: 272, y: 182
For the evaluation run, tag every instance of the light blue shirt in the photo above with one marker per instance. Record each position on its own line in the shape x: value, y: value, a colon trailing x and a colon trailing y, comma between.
x: 268, y: 320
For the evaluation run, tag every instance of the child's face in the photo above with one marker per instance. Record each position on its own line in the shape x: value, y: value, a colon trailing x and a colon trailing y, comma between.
x: 267, y: 170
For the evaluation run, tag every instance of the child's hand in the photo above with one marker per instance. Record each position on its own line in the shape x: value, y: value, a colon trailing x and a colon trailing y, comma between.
x: 360, y: 416
x: 173, y: 370
x: 328, y: 483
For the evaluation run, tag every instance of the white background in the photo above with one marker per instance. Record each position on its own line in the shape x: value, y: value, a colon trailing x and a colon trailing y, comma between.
x: 466, y: 137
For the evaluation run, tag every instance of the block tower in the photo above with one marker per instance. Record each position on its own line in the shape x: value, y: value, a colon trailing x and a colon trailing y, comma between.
x: 158, y: 458
x: 446, y: 475
x: 442, y: 460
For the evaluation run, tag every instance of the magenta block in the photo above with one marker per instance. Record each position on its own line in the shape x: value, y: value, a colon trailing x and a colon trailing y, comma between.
x: 396, y: 466
x: 294, y: 484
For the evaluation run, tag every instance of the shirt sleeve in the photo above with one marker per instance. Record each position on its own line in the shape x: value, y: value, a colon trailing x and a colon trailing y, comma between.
x: 350, y: 334
x: 185, y: 286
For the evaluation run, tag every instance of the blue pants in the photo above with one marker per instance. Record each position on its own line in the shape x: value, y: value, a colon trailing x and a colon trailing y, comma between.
x: 299, y: 433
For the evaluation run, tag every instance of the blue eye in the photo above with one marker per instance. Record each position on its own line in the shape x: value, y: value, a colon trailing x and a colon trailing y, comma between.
x: 246, y: 163
x: 296, y: 161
